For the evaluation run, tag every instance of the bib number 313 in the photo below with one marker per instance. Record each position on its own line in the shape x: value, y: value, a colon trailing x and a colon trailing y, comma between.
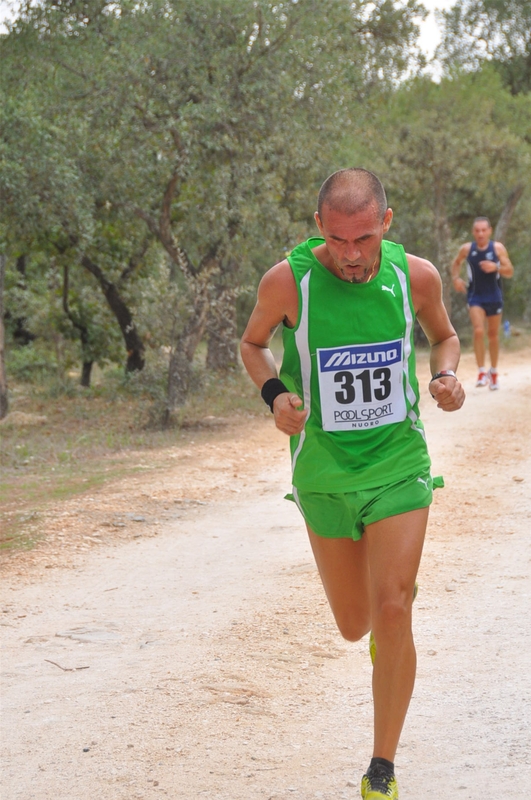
x: 361, y: 386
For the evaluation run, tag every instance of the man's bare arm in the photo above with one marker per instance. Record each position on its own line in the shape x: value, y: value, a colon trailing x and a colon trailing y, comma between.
x: 457, y: 280
x: 277, y: 302
x: 426, y: 290
x: 506, y: 268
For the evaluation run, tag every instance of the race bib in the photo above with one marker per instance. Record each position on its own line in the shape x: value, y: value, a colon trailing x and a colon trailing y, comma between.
x: 361, y: 386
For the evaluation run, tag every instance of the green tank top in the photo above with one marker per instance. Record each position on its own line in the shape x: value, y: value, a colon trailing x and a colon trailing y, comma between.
x: 351, y: 358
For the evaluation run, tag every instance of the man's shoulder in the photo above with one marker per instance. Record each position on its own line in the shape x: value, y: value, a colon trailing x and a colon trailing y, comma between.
x: 419, y: 263
x: 277, y: 273
x: 425, y: 283
x: 277, y: 293
x: 296, y: 262
x: 422, y: 273
x: 499, y: 247
x: 463, y: 252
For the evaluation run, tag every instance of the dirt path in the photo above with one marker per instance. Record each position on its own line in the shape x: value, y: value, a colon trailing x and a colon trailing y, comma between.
x: 172, y: 638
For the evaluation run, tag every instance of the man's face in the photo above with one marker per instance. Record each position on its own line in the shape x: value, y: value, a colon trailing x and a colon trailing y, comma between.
x: 354, y: 240
x: 481, y: 231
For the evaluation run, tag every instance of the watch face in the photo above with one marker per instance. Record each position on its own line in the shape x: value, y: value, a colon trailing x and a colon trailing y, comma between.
x: 445, y: 373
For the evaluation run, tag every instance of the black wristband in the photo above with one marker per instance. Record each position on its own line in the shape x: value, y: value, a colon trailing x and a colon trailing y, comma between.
x: 271, y: 389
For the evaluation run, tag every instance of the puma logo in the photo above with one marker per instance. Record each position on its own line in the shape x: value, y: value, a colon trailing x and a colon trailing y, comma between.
x: 387, y: 289
x: 425, y: 483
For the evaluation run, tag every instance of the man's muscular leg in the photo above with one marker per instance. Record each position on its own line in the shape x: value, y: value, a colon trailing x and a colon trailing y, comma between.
x: 493, y: 333
x: 343, y: 567
x: 369, y: 583
x: 394, y: 547
x: 477, y: 318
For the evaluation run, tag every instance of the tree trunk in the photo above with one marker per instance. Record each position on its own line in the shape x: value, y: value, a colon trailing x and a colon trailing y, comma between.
x: 222, y: 352
x: 184, y: 346
x: 182, y: 354
x: 133, y: 342
x: 505, y: 217
x: 442, y: 232
x: 4, y: 403
x: 179, y: 372
x: 86, y: 373
x: 502, y: 228
x: 222, y: 348
x: 527, y: 309
x: 20, y: 332
x: 83, y: 333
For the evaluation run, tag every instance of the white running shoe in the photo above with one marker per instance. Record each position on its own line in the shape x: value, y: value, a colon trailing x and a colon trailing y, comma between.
x: 493, y: 380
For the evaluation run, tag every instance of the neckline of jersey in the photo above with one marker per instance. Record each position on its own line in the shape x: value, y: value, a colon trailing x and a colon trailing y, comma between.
x: 482, y: 249
x: 324, y: 270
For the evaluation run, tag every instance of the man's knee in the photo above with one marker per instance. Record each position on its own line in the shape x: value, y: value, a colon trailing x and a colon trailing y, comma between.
x: 353, y: 628
x: 391, y: 616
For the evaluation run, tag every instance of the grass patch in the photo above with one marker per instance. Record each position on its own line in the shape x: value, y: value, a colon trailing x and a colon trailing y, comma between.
x: 92, y: 437
x: 88, y: 438
x: 21, y: 533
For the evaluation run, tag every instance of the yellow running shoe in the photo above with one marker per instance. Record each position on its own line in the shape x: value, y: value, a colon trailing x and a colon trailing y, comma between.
x: 372, y: 643
x: 372, y: 647
x: 379, y: 785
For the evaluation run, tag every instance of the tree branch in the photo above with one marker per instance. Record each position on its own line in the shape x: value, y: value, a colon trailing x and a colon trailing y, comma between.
x: 176, y: 253
x: 134, y: 263
x: 505, y: 217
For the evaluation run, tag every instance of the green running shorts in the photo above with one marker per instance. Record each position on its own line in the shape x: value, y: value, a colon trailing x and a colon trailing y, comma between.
x: 344, y: 516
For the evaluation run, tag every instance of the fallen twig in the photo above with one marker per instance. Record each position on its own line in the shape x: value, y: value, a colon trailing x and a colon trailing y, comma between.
x: 65, y: 669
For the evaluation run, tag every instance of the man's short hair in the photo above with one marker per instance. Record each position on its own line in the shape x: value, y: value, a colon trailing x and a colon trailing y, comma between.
x: 352, y: 190
x: 482, y: 219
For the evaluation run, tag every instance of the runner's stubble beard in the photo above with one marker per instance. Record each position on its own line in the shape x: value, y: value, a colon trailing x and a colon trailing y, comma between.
x: 367, y: 276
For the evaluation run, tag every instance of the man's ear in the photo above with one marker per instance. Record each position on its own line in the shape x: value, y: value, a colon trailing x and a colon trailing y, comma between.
x: 318, y: 222
x: 388, y: 218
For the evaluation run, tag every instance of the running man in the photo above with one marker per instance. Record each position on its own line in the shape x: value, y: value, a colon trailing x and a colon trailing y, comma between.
x: 486, y: 262
x: 348, y: 398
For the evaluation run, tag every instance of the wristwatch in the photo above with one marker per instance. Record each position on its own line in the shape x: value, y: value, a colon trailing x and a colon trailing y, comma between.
x: 444, y: 373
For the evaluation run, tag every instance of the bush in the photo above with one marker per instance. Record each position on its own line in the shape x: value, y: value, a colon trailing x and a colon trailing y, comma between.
x: 30, y: 363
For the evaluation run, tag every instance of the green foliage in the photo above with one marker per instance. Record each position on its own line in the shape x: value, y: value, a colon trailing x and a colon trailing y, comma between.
x: 453, y: 150
x: 495, y: 30
x: 455, y: 156
x: 182, y: 127
x: 41, y: 190
x: 37, y: 299
x: 30, y: 363
x: 171, y: 151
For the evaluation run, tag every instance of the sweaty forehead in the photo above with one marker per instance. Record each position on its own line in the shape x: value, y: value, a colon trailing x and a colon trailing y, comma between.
x: 342, y: 225
x: 349, y: 203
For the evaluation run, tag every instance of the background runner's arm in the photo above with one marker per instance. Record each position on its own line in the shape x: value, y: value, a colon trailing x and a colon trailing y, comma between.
x: 506, y: 269
x: 502, y: 266
x: 458, y: 282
